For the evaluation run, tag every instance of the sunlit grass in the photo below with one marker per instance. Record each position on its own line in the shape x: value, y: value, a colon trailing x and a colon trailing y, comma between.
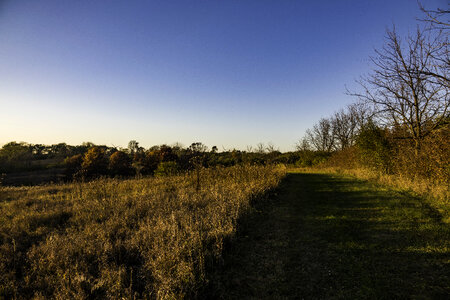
x: 435, y: 194
x: 330, y: 236
x: 145, y: 238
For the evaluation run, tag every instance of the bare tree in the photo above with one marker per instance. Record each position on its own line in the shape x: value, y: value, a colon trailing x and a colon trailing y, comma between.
x: 303, y: 144
x: 260, y: 148
x: 347, y: 123
x: 438, y: 25
x: 271, y: 147
x: 321, y: 136
x: 361, y: 113
x: 403, y: 87
x: 435, y: 18
x: 344, y: 129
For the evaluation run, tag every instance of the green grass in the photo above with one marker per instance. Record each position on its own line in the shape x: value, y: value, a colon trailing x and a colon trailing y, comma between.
x: 329, y: 236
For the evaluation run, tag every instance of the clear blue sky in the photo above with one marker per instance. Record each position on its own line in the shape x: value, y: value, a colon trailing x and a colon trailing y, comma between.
x: 226, y: 73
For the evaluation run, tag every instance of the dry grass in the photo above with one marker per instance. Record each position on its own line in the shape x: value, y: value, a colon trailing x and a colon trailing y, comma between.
x: 436, y: 193
x: 142, y: 238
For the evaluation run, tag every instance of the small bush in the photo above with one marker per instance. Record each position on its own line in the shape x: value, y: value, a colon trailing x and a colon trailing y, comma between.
x: 166, y: 168
x: 307, y: 158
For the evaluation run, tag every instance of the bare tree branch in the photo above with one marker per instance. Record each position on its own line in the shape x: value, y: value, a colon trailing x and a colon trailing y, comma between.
x: 409, y: 85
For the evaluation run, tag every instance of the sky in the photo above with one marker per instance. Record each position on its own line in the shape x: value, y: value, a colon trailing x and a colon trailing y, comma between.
x: 226, y: 73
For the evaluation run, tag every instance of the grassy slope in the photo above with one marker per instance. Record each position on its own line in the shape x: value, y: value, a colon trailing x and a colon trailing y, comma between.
x: 328, y: 236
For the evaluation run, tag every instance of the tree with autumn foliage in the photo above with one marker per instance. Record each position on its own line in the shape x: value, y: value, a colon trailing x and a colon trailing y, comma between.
x: 95, y: 162
x: 120, y: 164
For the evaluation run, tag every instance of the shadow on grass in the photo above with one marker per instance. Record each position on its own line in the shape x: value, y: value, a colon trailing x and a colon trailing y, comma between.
x: 327, y: 236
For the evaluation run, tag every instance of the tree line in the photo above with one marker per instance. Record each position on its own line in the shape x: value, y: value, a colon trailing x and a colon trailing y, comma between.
x: 161, y: 160
x: 87, y: 161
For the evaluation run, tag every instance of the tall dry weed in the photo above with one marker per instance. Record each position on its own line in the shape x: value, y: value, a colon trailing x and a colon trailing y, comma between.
x: 141, y: 238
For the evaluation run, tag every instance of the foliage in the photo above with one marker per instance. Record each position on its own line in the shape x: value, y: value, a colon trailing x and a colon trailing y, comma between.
x: 152, y: 159
x: 166, y: 168
x: 348, y: 158
x: 374, y: 147
x: 120, y: 164
x: 311, y: 158
x: 431, y: 162
x: 73, y: 165
x: 95, y: 162
x: 166, y: 153
x: 24, y: 157
x: 74, y: 162
x: 15, y: 156
x: 16, y: 151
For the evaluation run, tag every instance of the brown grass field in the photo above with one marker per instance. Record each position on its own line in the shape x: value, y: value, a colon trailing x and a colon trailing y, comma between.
x: 110, y: 238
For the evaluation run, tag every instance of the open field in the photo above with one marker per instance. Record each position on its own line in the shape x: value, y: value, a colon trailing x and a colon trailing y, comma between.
x: 334, y: 237
x: 143, y: 238
x: 227, y: 236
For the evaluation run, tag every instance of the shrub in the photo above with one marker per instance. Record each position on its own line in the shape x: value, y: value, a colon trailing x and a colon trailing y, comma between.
x: 431, y: 162
x: 120, y: 164
x: 166, y: 168
x: 73, y: 165
x: 374, y: 148
x: 344, y: 159
x: 309, y: 158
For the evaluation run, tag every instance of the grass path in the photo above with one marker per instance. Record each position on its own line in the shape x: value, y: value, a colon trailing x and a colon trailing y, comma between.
x: 327, y: 236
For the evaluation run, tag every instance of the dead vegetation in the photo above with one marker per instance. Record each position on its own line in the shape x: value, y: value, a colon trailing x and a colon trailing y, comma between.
x: 140, y: 238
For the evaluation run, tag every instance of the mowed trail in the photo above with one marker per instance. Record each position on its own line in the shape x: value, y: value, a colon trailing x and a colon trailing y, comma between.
x: 328, y: 236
